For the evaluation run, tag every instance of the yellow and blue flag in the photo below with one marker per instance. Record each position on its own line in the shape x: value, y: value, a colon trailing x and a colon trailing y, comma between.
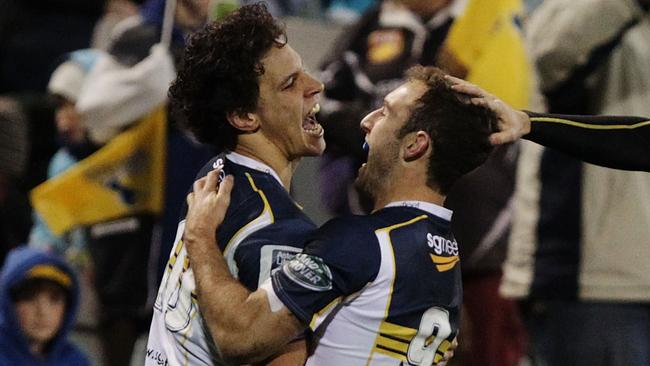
x: 124, y: 177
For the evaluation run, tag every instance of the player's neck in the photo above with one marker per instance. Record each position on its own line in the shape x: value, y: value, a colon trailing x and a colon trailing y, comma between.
x: 419, y: 193
x: 267, y: 154
x: 407, y: 185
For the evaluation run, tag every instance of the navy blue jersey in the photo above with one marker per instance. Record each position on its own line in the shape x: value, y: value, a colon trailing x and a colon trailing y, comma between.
x: 263, y: 227
x: 383, y: 289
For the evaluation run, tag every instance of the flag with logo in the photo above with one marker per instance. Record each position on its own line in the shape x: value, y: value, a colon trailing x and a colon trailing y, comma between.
x: 124, y: 177
x: 486, y: 42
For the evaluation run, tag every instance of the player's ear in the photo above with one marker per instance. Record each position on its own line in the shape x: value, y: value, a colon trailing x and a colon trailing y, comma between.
x: 244, y: 121
x: 415, y: 145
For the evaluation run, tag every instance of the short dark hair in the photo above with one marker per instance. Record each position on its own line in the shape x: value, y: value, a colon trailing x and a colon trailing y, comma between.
x: 459, y: 130
x: 220, y: 72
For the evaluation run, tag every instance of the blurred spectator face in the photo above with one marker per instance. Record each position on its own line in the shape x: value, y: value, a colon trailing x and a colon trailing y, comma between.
x: 121, y: 8
x: 40, y: 310
x: 68, y: 123
x: 192, y: 14
x: 288, y: 96
x: 424, y: 8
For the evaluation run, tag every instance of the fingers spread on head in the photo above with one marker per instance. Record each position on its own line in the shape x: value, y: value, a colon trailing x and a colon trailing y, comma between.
x: 500, y: 138
x: 481, y: 102
x: 454, y: 80
x: 462, y: 86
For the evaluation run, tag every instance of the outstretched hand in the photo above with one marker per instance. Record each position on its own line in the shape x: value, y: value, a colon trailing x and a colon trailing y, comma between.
x: 512, y: 123
x: 207, y: 205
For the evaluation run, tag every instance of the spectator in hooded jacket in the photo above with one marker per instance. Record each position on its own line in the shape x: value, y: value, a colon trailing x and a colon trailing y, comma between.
x: 39, y: 295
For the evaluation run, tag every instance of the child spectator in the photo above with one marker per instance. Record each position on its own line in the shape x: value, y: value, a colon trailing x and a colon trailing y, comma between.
x: 38, y: 305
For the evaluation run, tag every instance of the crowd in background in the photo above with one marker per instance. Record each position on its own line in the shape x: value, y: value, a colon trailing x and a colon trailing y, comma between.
x: 554, y: 250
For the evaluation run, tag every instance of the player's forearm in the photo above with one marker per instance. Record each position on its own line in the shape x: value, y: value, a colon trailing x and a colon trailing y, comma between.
x: 610, y: 141
x: 292, y: 354
x: 220, y: 296
x: 237, y: 319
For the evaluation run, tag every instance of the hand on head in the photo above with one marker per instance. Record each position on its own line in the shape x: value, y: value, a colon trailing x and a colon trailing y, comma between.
x: 512, y: 123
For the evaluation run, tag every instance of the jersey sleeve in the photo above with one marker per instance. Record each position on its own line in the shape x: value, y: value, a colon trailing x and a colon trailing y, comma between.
x: 256, y: 258
x: 339, y: 260
x: 616, y: 142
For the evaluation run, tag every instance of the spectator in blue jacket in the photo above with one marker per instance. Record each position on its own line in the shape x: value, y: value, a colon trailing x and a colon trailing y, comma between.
x: 39, y: 295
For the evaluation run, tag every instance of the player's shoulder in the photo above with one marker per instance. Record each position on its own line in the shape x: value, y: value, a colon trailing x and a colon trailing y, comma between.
x: 344, y: 237
x: 348, y: 228
x: 248, y: 181
x: 221, y: 161
x: 405, y: 216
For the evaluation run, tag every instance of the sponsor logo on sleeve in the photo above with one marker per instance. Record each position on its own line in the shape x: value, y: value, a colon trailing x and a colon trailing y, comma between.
x: 309, y: 272
x: 445, y: 252
x: 279, y: 257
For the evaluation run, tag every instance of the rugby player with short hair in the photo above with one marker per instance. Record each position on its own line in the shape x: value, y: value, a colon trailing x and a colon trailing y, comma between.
x: 381, y: 289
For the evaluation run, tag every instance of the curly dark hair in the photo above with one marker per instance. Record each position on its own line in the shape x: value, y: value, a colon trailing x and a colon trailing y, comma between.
x: 220, y: 73
x: 459, y: 130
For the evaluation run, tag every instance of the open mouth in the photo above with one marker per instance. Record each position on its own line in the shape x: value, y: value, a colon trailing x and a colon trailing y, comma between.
x: 366, y: 150
x: 310, y: 125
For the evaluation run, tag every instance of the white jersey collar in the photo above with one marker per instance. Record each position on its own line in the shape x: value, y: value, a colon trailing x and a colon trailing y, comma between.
x: 429, y: 207
x: 253, y: 164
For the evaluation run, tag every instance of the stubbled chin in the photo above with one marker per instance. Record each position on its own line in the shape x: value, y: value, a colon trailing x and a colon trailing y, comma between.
x: 314, y: 145
x: 361, y: 171
x: 317, y: 147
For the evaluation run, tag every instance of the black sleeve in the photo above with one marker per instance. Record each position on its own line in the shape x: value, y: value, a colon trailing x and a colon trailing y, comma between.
x: 618, y: 142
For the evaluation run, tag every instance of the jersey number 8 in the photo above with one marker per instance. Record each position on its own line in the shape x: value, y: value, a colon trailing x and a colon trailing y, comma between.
x: 434, y: 329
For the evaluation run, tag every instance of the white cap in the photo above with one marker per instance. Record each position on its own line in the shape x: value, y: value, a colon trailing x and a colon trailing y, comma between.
x: 67, y: 80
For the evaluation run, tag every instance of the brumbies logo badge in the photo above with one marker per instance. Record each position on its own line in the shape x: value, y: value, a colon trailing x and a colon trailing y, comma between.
x: 309, y: 272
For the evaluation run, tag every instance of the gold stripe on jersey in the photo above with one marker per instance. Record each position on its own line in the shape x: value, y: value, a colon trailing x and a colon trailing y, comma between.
x: 326, y: 309
x: 440, y: 352
x: 587, y: 125
x: 387, y: 352
x: 393, y: 340
x: 382, y: 348
x: 265, y: 218
x: 402, y: 333
x: 444, y: 264
x: 177, y: 252
x: 186, y: 361
x: 267, y: 208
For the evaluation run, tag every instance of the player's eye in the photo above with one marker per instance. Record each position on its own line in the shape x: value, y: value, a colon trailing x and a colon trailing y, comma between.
x: 289, y: 83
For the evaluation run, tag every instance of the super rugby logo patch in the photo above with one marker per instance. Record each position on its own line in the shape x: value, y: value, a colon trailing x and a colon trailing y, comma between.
x: 309, y: 272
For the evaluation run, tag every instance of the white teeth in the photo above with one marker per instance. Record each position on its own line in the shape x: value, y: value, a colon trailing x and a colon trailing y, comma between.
x: 316, y: 130
x: 315, y: 110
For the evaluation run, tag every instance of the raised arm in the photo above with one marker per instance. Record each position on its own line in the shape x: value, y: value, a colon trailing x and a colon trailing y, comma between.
x: 619, y: 142
x: 241, y: 322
